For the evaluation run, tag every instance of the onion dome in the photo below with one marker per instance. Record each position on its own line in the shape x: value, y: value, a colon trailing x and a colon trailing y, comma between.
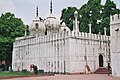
x: 37, y: 26
x: 64, y: 27
x: 51, y: 23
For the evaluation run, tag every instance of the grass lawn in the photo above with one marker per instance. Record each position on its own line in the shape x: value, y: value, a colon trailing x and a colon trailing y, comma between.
x: 14, y: 74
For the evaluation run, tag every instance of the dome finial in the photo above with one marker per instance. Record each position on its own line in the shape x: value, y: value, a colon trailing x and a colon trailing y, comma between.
x: 75, y: 14
x: 37, y: 11
x: 51, y: 7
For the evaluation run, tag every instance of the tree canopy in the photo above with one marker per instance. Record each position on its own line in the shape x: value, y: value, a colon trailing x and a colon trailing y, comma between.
x: 10, y: 28
x: 91, y: 13
x: 68, y: 16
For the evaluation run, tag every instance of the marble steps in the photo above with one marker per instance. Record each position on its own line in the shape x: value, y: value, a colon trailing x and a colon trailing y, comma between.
x: 101, y: 71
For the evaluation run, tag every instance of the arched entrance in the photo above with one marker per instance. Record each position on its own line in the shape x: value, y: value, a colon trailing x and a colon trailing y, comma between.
x: 100, y: 60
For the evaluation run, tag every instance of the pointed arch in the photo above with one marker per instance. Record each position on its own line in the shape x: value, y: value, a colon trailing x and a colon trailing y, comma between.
x: 100, y: 60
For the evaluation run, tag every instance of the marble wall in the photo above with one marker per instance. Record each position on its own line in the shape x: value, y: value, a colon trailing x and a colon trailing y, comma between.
x: 114, y: 46
x: 66, y: 51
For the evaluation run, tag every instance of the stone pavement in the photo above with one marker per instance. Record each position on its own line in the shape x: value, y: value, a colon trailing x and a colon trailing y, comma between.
x: 71, y: 77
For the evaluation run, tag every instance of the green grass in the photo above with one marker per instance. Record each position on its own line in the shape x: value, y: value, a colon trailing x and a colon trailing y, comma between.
x: 14, y: 74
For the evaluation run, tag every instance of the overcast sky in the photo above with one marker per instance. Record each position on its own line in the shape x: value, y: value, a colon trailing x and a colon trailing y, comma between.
x: 25, y: 9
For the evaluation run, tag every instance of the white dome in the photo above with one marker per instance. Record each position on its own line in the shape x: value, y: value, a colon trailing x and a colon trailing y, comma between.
x: 52, y: 23
x: 64, y: 27
x: 37, y: 26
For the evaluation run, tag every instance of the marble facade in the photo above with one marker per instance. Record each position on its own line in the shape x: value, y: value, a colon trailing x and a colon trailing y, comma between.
x: 60, y: 50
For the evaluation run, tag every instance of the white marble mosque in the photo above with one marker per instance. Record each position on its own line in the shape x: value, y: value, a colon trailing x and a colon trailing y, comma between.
x: 53, y: 47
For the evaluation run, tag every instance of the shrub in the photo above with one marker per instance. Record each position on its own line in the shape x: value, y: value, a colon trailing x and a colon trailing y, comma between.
x: 2, y: 67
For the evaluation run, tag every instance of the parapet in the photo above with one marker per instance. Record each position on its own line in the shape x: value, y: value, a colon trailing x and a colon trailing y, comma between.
x: 89, y: 36
x: 114, y: 19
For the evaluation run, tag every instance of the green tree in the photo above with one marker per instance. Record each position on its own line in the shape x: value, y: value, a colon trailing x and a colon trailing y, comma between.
x: 108, y: 9
x: 90, y: 13
x: 10, y: 28
x: 84, y: 12
x: 68, y: 16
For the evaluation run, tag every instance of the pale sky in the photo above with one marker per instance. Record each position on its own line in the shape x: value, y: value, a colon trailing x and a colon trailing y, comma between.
x: 25, y: 9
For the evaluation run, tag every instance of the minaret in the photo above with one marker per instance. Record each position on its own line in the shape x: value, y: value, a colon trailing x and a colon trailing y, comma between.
x: 76, y: 23
x: 90, y: 27
x: 37, y: 11
x: 105, y: 31
x: 51, y: 7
